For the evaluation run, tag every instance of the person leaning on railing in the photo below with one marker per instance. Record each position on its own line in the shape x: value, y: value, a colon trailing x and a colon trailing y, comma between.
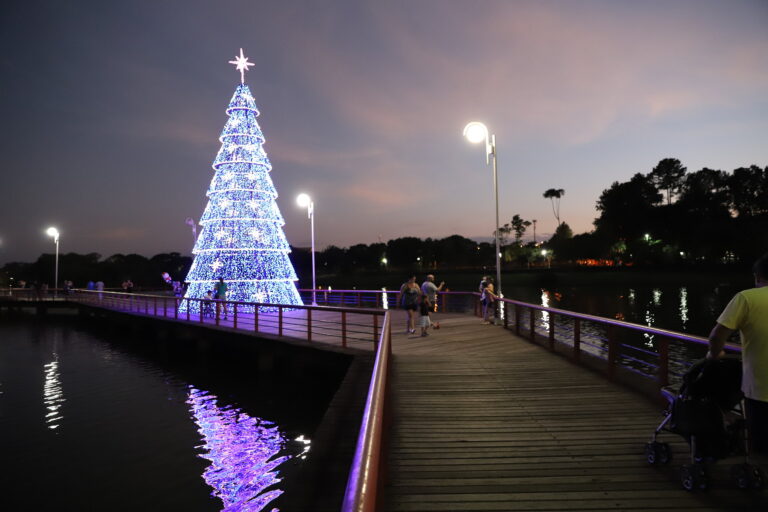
x: 748, y: 313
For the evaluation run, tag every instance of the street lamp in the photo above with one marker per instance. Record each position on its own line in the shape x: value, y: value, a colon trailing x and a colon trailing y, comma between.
x: 477, y: 132
x: 55, y: 234
x: 304, y: 201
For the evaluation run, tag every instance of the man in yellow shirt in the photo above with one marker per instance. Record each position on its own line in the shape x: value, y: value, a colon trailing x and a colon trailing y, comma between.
x: 748, y: 312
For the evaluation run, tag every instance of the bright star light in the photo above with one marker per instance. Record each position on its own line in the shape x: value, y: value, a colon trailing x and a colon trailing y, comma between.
x: 241, y: 63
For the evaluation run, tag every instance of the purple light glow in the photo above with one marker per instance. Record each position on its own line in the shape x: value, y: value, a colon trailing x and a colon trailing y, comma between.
x: 243, y: 453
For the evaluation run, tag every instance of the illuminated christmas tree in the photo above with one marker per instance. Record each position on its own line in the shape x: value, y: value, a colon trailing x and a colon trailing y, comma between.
x: 242, y: 239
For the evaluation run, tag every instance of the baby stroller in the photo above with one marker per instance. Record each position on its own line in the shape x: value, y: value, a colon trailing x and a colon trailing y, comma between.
x: 708, y: 412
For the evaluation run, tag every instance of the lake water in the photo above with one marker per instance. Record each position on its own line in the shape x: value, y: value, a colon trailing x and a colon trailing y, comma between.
x: 89, y: 423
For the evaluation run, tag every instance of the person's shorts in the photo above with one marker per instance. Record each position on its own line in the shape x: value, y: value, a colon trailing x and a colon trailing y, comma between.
x: 412, y: 307
x: 757, y: 425
x: 424, y: 321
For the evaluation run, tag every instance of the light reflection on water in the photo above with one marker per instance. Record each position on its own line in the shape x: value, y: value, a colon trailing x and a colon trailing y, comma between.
x: 53, y: 393
x: 243, y: 451
x: 684, y: 306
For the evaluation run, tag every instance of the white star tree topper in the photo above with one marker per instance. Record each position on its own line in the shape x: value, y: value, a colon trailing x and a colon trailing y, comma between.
x: 242, y: 64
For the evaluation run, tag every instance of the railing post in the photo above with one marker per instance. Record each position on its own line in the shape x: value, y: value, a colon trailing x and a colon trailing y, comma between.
x: 154, y: 306
x: 518, y: 313
x: 280, y: 321
x: 612, y: 352
x: 551, y: 331
x: 506, y: 315
x: 218, y: 312
x: 344, y: 329
x: 341, y: 300
x: 532, y: 323
x: 577, y: 339
x: 375, y: 329
x: 176, y: 308
x: 359, y: 302
x: 165, y: 307
x: 200, y: 305
x: 663, y: 362
x: 309, y: 325
x: 234, y: 316
x: 146, y: 306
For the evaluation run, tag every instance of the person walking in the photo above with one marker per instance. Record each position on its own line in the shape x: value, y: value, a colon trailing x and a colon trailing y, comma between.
x: 408, y: 298
x: 429, y: 289
x: 220, y: 294
x: 487, y: 299
x: 747, y: 312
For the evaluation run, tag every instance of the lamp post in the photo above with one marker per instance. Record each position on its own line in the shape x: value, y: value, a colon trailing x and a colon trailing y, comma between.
x: 55, y: 234
x: 305, y: 201
x: 477, y: 132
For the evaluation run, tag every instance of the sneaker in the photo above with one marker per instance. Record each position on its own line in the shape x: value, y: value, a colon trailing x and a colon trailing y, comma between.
x: 411, y: 331
x: 424, y: 334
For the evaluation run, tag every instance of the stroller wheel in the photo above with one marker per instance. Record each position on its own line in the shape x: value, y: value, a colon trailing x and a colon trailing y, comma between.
x: 651, y: 453
x: 694, y: 477
x: 747, y: 476
x: 657, y: 453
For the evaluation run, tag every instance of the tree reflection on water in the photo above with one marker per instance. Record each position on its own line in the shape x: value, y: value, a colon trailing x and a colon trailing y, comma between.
x: 243, y: 452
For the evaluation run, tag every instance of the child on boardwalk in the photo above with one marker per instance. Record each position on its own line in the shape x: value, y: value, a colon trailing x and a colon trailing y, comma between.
x: 424, y: 308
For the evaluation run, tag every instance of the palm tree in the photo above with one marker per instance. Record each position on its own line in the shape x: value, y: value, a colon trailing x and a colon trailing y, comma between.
x: 552, y: 194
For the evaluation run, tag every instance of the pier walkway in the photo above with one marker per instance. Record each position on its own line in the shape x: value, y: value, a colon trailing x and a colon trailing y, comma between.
x: 486, y: 420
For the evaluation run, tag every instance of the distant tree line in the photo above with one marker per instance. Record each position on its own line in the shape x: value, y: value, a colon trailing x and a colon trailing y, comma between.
x: 81, y: 268
x: 666, y: 217
x: 672, y: 216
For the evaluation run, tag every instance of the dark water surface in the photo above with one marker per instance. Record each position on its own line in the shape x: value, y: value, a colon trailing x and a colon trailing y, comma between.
x: 98, y: 423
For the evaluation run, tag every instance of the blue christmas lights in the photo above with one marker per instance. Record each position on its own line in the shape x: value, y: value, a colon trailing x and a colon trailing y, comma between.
x: 242, y: 238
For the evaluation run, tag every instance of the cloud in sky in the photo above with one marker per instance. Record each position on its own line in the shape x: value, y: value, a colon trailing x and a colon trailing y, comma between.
x: 362, y: 106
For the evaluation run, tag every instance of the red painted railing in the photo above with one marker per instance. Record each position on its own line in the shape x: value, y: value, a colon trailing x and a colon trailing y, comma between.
x: 365, y: 476
x: 347, y: 326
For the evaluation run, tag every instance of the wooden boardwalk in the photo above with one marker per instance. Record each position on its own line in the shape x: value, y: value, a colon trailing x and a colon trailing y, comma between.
x: 483, y: 420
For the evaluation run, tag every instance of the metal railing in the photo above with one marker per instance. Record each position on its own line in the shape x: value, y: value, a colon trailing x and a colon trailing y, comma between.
x: 640, y: 349
x: 365, y: 476
x: 350, y: 326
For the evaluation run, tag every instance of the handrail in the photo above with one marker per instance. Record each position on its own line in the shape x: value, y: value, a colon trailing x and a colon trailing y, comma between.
x: 364, y: 477
x: 345, y: 324
x: 611, y: 321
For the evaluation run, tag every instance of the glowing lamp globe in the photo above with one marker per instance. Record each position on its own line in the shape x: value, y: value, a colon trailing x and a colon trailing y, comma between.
x: 303, y: 200
x: 476, y: 132
x: 52, y: 232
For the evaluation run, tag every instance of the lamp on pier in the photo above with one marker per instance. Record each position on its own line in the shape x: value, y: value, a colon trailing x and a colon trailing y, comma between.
x: 55, y: 234
x: 477, y: 132
x: 304, y: 201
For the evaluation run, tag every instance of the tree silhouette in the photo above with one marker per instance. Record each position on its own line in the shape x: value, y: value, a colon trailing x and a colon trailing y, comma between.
x: 668, y: 175
x: 552, y: 194
x: 519, y: 226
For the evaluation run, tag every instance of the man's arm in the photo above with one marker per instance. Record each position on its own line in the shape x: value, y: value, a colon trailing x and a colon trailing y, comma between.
x: 717, y: 339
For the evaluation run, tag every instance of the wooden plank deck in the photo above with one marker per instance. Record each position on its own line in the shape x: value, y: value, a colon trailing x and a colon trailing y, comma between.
x: 484, y: 420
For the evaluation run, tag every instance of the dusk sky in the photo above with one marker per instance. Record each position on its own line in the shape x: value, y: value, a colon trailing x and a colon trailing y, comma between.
x: 111, y: 111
